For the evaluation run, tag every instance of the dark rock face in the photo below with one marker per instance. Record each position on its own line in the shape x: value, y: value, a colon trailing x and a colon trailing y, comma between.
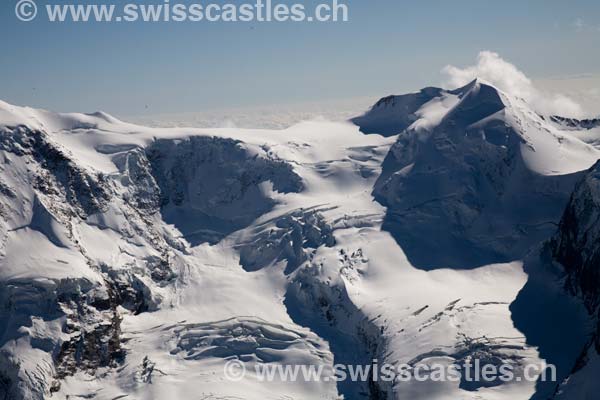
x: 576, y: 123
x: 577, y: 244
x: 95, y: 330
x: 91, y: 329
x: 58, y: 175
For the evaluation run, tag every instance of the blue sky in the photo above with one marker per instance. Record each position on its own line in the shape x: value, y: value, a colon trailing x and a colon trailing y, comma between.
x: 388, y: 46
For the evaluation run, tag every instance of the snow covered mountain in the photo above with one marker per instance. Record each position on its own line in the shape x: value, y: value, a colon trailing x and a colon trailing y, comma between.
x: 477, y: 178
x: 135, y: 262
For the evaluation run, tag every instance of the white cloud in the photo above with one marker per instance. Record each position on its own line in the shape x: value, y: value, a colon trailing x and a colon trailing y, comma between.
x: 579, y: 24
x: 505, y: 76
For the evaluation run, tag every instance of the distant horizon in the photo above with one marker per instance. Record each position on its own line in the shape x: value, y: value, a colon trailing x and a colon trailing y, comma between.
x: 583, y: 88
x: 570, y: 85
x: 386, y: 47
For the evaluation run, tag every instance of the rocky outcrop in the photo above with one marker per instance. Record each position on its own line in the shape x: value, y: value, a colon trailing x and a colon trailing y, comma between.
x: 576, y: 123
x: 576, y: 246
x: 57, y: 174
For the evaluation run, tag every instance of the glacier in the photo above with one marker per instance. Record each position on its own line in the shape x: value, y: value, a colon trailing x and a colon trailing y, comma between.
x: 439, y: 226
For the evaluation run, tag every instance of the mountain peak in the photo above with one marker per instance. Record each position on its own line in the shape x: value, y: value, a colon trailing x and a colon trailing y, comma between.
x: 478, y: 100
x: 429, y: 106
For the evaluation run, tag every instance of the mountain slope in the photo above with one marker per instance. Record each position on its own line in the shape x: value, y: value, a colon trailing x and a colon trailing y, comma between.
x: 134, y: 262
x: 480, y: 184
x: 576, y: 247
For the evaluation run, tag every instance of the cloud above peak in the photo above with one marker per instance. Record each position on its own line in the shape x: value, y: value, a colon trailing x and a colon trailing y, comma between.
x: 507, y: 77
